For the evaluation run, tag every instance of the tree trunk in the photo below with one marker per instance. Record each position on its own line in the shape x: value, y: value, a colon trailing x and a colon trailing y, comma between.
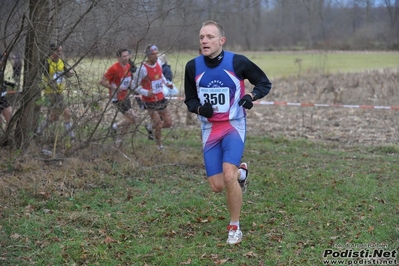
x: 27, y: 115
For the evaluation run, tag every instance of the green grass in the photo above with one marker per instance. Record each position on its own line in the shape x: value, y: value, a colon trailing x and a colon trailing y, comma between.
x: 292, y: 64
x: 287, y: 64
x: 137, y: 206
x: 303, y: 198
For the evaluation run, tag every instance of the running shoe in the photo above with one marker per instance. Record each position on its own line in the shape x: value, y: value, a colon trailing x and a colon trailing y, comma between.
x: 234, y: 236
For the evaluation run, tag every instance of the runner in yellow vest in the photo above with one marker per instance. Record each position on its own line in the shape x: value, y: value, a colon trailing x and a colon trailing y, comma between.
x: 55, y: 73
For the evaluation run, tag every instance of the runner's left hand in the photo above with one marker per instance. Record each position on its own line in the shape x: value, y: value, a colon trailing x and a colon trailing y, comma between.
x: 246, y: 102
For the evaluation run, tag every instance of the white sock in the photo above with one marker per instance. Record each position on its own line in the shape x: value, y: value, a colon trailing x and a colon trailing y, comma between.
x: 68, y: 126
x: 243, y: 174
x: 236, y: 223
x: 42, y: 126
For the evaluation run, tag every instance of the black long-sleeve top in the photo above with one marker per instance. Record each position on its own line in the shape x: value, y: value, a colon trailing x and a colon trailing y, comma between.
x: 244, y: 69
x: 167, y: 72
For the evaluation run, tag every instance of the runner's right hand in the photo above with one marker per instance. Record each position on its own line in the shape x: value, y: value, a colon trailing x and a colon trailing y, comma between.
x: 206, y: 110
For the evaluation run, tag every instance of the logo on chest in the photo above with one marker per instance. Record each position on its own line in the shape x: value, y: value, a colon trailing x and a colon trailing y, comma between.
x: 215, y: 84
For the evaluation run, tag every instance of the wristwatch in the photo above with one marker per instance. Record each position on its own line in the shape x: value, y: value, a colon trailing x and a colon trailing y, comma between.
x: 254, y: 96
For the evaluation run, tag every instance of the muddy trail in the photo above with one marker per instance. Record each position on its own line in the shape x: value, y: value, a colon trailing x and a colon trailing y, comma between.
x: 339, y: 119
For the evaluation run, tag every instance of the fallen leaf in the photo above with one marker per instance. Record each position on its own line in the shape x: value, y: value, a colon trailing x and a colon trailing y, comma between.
x: 219, y: 262
x: 250, y: 254
x: 15, y: 236
x: 108, y: 240
x: 186, y: 263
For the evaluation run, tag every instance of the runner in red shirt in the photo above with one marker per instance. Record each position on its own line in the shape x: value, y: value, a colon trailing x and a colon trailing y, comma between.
x: 148, y: 82
x: 118, y: 79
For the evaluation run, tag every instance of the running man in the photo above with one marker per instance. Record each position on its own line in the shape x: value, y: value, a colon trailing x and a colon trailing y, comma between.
x: 215, y: 91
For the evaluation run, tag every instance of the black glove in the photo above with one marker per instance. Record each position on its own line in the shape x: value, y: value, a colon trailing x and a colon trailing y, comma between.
x: 206, y: 110
x: 133, y: 67
x: 246, y: 102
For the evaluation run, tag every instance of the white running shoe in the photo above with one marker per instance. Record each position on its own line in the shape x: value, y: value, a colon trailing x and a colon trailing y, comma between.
x: 244, y: 183
x: 234, y: 236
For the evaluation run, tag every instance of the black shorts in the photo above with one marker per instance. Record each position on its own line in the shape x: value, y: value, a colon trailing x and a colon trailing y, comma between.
x: 124, y: 105
x: 159, y: 105
x: 3, y: 103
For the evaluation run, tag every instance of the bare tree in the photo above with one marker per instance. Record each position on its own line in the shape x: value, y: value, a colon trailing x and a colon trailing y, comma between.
x: 392, y: 7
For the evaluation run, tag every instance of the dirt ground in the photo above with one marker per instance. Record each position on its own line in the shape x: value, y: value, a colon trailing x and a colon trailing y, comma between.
x: 345, y: 125
x: 358, y: 108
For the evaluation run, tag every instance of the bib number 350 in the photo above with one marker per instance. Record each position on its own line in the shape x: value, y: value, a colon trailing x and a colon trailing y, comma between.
x: 218, y: 97
x: 215, y: 98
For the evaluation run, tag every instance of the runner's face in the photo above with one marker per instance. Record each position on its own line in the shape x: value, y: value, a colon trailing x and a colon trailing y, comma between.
x: 57, y: 54
x: 124, y: 58
x: 153, y: 57
x: 211, y: 41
